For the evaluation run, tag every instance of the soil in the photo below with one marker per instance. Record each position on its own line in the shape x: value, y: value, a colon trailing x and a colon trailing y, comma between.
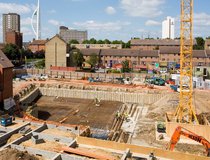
x: 13, y: 154
x: 145, y: 133
x: 47, y: 145
x: 54, y: 131
x: 14, y: 137
x: 78, y: 111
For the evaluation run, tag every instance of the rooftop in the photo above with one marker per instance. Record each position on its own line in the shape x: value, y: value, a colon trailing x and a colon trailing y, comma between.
x: 38, y: 42
x: 4, y: 61
x: 157, y: 42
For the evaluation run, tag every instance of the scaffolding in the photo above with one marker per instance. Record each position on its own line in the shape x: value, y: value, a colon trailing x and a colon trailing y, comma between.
x: 185, y: 112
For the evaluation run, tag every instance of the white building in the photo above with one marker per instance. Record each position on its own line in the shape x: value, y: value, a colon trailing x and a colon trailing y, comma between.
x: 168, y: 28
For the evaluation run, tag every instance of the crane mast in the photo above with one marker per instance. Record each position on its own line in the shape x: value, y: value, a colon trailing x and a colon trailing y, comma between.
x: 185, y: 112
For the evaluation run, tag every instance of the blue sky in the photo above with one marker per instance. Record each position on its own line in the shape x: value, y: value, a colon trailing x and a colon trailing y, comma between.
x: 111, y: 19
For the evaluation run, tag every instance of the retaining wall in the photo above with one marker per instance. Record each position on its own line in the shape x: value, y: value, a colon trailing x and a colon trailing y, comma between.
x: 140, y: 98
x: 30, y: 97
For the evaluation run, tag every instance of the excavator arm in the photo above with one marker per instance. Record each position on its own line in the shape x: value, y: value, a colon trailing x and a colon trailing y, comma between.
x: 184, y: 132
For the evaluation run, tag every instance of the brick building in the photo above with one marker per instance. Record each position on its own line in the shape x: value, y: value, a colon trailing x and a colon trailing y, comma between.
x: 6, y: 76
x: 57, y: 55
x: 37, y: 45
x: 14, y: 37
x: 97, y: 46
x: 10, y: 21
x: 56, y: 52
x: 154, y: 44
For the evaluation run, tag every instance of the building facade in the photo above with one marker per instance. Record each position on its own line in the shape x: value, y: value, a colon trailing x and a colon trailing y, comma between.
x: 168, y: 28
x: 14, y: 37
x: 37, y: 45
x: 97, y: 46
x: 11, y: 21
x: 153, y: 44
x: 6, y: 76
x: 56, y: 52
x: 70, y: 34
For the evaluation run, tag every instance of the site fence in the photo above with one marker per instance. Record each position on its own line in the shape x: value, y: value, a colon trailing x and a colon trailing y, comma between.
x: 109, y: 77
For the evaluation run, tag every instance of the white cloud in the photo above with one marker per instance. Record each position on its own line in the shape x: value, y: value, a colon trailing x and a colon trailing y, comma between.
x: 110, y: 10
x: 108, y: 26
x: 152, y: 23
x: 16, y: 8
x: 27, y: 31
x: 142, y: 8
x: 26, y: 21
x: 55, y: 22
x: 202, y: 19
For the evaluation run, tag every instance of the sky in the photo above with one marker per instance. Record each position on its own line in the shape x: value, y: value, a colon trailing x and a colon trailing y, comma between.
x: 106, y: 19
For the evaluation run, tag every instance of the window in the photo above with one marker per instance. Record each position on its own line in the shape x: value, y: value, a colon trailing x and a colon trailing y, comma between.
x: 163, y: 59
x: 198, y: 69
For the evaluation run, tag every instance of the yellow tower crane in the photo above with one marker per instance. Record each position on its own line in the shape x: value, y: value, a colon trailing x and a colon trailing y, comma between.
x: 185, y: 112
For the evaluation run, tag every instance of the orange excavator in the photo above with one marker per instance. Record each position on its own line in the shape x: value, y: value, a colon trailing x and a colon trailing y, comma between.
x: 184, y: 132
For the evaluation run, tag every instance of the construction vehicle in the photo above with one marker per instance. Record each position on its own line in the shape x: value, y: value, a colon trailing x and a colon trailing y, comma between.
x: 155, y: 80
x: 184, y: 132
x: 6, y: 120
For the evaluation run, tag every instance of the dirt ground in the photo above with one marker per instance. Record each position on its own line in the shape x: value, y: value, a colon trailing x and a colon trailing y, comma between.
x: 12, y: 154
x: 78, y: 111
x: 145, y: 131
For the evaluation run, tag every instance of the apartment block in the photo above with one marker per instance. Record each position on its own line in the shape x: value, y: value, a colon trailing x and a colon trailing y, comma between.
x: 10, y: 21
x: 69, y: 34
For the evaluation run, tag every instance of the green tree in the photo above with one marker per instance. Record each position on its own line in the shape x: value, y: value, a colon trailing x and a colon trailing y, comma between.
x: 73, y: 41
x: 126, y: 66
x: 86, y: 42
x: 93, y: 41
x: 128, y: 44
x: 100, y: 42
x: 106, y: 41
x: 117, y: 42
x: 200, y: 43
x: 93, y: 60
x: 40, y: 64
x: 12, y: 51
x: 78, y: 58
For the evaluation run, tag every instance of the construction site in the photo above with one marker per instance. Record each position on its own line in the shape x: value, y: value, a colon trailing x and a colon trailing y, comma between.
x: 61, y: 118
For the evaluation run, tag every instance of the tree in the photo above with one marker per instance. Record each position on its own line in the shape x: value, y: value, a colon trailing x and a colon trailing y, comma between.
x: 12, y: 51
x: 200, y: 43
x: 117, y: 42
x: 126, y: 66
x: 73, y: 41
x: 86, y: 42
x: 106, y: 41
x: 78, y: 58
x: 128, y: 44
x: 40, y: 64
x: 93, y: 60
x: 93, y: 41
x: 100, y: 42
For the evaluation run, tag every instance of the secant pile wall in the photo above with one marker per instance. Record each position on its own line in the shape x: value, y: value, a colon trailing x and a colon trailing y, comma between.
x: 141, y: 98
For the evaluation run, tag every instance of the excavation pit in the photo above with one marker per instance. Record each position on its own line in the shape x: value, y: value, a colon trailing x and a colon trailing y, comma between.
x: 78, y: 111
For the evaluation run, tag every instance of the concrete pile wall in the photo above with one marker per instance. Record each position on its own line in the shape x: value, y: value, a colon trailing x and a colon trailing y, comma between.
x: 140, y: 98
